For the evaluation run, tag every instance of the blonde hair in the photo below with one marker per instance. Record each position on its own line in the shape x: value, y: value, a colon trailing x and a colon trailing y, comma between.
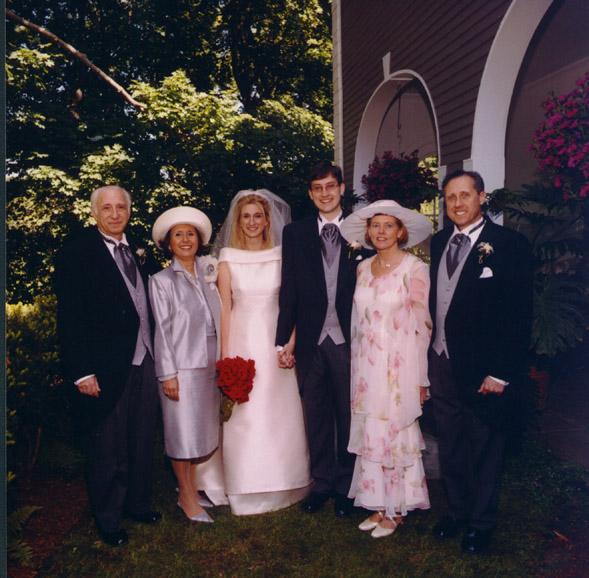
x: 237, y: 234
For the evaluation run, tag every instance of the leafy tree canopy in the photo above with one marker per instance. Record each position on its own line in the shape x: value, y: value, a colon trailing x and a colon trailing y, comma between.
x: 264, y: 49
x: 207, y: 131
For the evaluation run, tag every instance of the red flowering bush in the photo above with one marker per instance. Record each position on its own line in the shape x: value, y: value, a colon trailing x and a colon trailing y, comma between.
x: 236, y: 380
x: 403, y: 179
x: 561, y: 142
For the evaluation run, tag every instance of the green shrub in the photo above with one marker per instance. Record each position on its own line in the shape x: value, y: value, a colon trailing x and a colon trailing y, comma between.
x: 35, y: 393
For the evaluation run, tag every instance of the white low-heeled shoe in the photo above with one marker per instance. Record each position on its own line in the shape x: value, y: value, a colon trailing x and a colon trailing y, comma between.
x: 380, y: 532
x: 369, y: 524
x: 202, y: 517
x: 202, y: 501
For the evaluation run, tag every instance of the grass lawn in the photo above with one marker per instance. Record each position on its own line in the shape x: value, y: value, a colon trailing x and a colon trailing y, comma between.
x: 544, y: 524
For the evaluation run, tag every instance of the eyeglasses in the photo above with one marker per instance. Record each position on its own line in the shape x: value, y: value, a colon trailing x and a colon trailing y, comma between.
x: 329, y: 187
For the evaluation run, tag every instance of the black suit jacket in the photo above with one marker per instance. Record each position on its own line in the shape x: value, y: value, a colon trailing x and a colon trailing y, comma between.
x: 97, y: 323
x: 303, y: 292
x: 488, y: 322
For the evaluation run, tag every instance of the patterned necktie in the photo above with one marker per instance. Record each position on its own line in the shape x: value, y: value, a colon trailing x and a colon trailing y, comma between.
x: 125, y: 261
x: 459, y: 247
x: 330, y: 238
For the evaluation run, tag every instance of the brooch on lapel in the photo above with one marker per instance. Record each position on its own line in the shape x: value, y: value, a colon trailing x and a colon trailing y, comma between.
x: 485, y: 249
x: 141, y: 255
x: 210, y: 268
x: 353, y: 248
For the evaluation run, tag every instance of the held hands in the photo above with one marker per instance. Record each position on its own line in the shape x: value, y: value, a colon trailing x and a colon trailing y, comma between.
x: 423, y: 394
x: 491, y: 386
x: 286, y: 358
x: 89, y: 386
x: 171, y: 388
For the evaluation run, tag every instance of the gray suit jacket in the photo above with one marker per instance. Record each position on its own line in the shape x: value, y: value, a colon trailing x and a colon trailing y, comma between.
x: 180, y: 330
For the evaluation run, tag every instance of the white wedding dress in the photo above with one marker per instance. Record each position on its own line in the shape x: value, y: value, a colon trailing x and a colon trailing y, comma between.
x: 265, y: 454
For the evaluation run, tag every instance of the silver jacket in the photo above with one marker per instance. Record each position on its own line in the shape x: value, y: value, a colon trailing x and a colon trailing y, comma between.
x: 180, y: 338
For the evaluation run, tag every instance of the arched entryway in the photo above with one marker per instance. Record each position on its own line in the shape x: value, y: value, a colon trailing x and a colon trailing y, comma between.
x: 497, y: 84
x: 400, y: 117
x: 557, y: 56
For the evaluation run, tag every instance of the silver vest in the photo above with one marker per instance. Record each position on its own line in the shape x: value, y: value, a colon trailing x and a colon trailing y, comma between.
x: 331, y: 324
x: 445, y: 292
x: 139, y: 297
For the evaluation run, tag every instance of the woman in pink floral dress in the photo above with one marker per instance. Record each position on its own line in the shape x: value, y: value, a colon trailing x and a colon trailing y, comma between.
x: 390, y: 336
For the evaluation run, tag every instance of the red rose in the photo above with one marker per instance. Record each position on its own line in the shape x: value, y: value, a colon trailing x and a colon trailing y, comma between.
x: 236, y: 378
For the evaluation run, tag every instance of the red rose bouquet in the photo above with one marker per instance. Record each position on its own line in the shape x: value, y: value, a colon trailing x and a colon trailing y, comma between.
x: 236, y: 379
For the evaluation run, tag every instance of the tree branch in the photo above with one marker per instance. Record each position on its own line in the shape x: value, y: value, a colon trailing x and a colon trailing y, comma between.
x: 76, y: 54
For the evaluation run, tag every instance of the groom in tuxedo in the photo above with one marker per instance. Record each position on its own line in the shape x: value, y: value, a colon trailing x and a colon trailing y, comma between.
x: 318, y: 280
x: 480, y: 303
x: 105, y: 329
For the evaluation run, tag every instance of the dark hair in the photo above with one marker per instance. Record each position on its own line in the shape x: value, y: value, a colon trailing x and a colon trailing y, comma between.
x: 403, y: 232
x: 166, y: 243
x: 479, y: 184
x: 325, y: 169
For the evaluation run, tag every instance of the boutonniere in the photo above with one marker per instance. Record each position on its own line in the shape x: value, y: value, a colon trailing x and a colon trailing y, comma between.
x: 210, y: 268
x: 485, y: 249
x: 141, y: 255
x: 353, y: 247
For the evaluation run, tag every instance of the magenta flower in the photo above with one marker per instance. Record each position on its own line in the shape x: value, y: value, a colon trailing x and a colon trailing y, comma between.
x: 402, y: 179
x: 561, y: 142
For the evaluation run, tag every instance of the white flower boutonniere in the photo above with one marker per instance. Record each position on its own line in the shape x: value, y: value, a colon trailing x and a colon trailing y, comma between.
x: 141, y: 254
x: 210, y: 268
x: 485, y: 249
x: 353, y: 247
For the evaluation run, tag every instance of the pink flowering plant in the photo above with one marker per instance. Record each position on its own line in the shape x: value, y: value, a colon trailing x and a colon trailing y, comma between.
x: 561, y: 142
x: 403, y: 179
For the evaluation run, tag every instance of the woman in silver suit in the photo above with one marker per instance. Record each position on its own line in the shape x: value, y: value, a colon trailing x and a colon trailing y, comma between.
x: 187, y: 308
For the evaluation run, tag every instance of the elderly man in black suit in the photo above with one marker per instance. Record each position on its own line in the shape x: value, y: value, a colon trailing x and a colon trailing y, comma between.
x: 318, y: 280
x: 105, y: 331
x: 480, y: 303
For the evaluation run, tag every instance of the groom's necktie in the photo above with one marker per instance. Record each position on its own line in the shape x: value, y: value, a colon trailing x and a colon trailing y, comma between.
x: 458, y: 249
x: 125, y: 260
x: 330, y: 239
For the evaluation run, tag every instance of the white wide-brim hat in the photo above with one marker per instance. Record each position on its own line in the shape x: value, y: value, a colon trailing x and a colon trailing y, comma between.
x: 181, y: 216
x: 419, y: 227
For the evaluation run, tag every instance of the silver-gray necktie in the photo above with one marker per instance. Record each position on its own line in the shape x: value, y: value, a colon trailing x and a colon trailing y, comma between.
x: 125, y: 261
x: 330, y: 239
x: 458, y: 249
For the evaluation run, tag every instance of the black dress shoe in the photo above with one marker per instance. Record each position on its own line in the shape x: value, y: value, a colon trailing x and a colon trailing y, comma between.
x: 343, y: 506
x: 447, y: 527
x: 148, y: 517
x: 474, y: 541
x: 314, y: 502
x: 114, y: 538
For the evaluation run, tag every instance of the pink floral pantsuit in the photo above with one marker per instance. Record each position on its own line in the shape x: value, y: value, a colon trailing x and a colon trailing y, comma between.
x: 391, y: 329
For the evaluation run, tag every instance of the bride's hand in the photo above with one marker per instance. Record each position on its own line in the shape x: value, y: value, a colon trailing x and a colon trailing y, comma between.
x: 287, y: 359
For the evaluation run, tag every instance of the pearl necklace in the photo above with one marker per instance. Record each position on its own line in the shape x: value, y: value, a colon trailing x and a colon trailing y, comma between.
x: 389, y: 265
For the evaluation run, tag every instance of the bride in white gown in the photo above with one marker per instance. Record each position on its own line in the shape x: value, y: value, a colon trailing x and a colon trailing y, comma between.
x: 265, y: 455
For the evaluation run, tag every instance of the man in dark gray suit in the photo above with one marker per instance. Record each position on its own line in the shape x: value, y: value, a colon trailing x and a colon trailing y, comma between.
x: 105, y: 330
x: 318, y: 281
x: 480, y: 303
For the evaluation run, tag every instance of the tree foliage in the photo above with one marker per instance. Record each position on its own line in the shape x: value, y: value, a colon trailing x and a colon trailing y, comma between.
x: 237, y: 95
x: 294, y: 34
